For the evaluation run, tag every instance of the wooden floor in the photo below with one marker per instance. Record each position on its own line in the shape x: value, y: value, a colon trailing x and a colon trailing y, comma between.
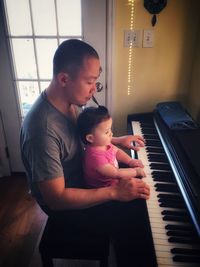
x: 21, y: 222
x: 21, y: 226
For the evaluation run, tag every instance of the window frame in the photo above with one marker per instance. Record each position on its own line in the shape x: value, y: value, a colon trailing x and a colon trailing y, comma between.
x: 9, y: 37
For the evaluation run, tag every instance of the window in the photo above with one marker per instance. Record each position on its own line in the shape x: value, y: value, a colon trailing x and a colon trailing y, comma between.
x: 35, y: 28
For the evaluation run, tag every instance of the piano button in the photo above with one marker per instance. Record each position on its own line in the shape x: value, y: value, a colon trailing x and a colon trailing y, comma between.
x: 185, y: 251
x: 179, y: 227
x: 184, y: 258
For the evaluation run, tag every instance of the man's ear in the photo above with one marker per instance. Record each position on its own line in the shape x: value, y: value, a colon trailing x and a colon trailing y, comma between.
x: 63, y: 78
x: 90, y: 138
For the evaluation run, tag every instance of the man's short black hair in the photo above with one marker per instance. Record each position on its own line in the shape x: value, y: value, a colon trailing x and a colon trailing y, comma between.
x: 69, y: 56
x: 89, y: 119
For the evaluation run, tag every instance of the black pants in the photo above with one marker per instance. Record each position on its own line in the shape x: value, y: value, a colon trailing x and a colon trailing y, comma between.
x: 124, y: 222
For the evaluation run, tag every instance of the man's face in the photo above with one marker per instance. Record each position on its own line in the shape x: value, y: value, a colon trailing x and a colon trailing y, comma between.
x: 81, y: 88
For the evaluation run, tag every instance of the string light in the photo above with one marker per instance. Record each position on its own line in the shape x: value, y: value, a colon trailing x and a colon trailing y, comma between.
x: 130, y: 52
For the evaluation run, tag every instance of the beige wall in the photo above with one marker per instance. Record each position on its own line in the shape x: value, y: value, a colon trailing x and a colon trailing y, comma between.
x: 194, y: 93
x: 161, y: 73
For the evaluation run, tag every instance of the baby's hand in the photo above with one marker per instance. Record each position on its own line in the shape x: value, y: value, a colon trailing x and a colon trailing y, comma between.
x: 136, y: 163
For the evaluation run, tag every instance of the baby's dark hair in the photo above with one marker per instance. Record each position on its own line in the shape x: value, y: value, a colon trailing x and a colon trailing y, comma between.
x: 89, y: 119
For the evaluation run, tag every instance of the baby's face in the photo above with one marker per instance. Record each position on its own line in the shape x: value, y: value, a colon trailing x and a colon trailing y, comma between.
x: 102, y: 134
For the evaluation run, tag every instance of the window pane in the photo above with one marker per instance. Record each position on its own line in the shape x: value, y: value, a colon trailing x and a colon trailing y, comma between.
x: 44, y: 85
x: 69, y: 17
x: 44, y: 19
x: 19, y: 17
x: 23, y: 54
x: 45, y: 52
x: 28, y: 92
x: 64, y: 39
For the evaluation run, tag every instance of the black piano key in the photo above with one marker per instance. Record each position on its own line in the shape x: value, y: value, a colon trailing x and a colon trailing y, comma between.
x: 163, y: 179
x: 154, y: 143
x: 148, y: 131
x: 179, y: 227
x: 185, y: 251
x: 156, y: 156
x: 164, y: 167
x: 184, y: 258
x: 172, y: 205
x: 180, y: 233
x: 155, y: 150
x: 163, y: 174
x: 147, y: 125
x: 173, y: 188
x: 151, y: 136
x: 174, y: 197
x: 175, y: 218
x: 153, y: 159
x: 183, y: 240
x: 175, y: 213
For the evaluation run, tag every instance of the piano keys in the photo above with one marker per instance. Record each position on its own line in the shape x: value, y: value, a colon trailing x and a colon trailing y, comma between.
x: 175, y: 237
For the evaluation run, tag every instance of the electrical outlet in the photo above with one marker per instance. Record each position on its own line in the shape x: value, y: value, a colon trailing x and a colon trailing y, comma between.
x: 132, y: 38
x: 148, y: 38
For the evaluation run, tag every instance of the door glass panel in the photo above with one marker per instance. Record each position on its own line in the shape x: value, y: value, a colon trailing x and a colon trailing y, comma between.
x: 44, y: 18
x: 24, y: 58
x: 45, y: 51
x: 18, y: 17
x: 69, y: 17
x: 28, y: 92
x: 44, y: 85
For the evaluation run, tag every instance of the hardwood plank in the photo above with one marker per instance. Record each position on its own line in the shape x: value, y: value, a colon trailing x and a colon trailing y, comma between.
x: 21, y: 221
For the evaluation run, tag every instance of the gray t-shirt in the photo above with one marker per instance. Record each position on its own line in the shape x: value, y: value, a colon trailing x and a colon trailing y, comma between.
x: 50, y: 147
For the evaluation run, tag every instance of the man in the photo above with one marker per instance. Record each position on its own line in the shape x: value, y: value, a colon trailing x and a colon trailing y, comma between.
x: 50, y: 146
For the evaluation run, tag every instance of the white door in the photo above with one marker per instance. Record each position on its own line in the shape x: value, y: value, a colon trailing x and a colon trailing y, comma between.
x: 94, y: 32
x: 31, y: 83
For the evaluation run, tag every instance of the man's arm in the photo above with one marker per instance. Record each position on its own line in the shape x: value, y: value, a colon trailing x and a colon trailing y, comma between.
x: 57, y: 197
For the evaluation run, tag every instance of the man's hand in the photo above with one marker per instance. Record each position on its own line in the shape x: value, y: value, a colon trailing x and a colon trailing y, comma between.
x: 129, y: 189
x: 127, y: 141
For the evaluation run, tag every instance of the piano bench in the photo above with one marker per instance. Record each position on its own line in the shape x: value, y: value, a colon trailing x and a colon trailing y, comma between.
x: 67, y: 244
